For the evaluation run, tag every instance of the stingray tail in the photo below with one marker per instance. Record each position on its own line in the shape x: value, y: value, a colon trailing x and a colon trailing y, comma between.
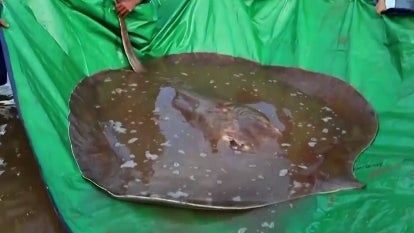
x: 341, y: 183
x: 136, y: 65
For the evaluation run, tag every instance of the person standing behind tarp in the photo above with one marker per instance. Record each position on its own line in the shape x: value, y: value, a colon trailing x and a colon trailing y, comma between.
x: 394, y: 6
x: 3, y: 70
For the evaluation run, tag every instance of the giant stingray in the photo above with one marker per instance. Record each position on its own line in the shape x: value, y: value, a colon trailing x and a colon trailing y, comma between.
x: 203, y: 130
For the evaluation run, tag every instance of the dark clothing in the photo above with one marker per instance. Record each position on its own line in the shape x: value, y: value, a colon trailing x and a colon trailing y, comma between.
x: 398, y: 6
x: 3, y: 70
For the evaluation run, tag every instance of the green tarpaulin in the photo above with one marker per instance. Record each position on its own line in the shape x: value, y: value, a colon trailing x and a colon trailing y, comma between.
x: 53, y: 44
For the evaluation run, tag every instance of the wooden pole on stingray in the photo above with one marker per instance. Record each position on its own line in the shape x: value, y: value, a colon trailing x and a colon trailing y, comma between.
x: 134, y: 62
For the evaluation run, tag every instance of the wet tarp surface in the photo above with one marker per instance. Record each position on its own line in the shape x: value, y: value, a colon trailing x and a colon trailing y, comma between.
x: 54, y: 44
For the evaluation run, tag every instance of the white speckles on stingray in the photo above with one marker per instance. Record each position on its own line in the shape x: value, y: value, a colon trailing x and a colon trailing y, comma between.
x: 166, y: 144
x: 156, y: 110
x: 117, y: 144
x: 150, y: 156
x: 303, y: 167
x: 155, y: 195
x: 176, y: 172
x: 283, y: 172
x: 132, y: 140
x: 117, y: 126
x: 177, y: 194
x: 129, y: 164
x: 236, y: 199
x: 327, y: 109
x: 297, y: 184
x: 2, y: 163
x: 326, y: 119
x: 120, y: 90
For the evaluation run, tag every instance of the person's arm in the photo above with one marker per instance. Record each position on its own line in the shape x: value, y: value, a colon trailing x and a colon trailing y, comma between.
x: 3, y: 23
x: 124, y: 7
x: 380, y: 6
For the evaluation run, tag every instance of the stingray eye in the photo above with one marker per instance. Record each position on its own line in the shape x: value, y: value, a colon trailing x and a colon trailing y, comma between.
x: 233, y: 143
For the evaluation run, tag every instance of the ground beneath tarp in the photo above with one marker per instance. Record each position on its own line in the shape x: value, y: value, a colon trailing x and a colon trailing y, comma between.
x: 24, y: 203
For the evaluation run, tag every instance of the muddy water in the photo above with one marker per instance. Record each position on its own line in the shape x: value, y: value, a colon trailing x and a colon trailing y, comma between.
x: 213, y: 135
x: 24, y: 204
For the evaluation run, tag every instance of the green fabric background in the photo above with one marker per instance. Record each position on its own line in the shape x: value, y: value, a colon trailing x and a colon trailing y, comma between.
x: 53, y: 44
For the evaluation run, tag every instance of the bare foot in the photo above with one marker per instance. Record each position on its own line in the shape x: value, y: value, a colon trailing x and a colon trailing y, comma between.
x: 3, y: 23
x: 124, y: 7
x: 380, y: 7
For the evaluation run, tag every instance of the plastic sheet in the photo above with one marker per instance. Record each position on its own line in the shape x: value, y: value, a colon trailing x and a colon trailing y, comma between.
x: 54, y: 44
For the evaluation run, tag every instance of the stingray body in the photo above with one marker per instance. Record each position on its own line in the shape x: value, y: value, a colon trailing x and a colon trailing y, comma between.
x: 217, y: 132
x: 242, y: 127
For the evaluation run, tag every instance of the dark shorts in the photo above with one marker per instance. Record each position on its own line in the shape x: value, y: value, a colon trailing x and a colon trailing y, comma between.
x: 399, y: 6
x: 3, y: 70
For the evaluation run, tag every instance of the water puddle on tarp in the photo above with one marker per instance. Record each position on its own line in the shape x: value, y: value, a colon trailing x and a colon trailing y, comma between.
x: 215, y: 132
x: 24, y: 204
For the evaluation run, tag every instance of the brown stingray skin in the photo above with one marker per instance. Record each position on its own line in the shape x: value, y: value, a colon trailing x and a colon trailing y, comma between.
x: 187, y: 173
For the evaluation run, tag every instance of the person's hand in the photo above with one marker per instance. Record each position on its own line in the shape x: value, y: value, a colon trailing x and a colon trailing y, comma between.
x: 380, y: 7
x: 124, y: 7
x: 3, y: 23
